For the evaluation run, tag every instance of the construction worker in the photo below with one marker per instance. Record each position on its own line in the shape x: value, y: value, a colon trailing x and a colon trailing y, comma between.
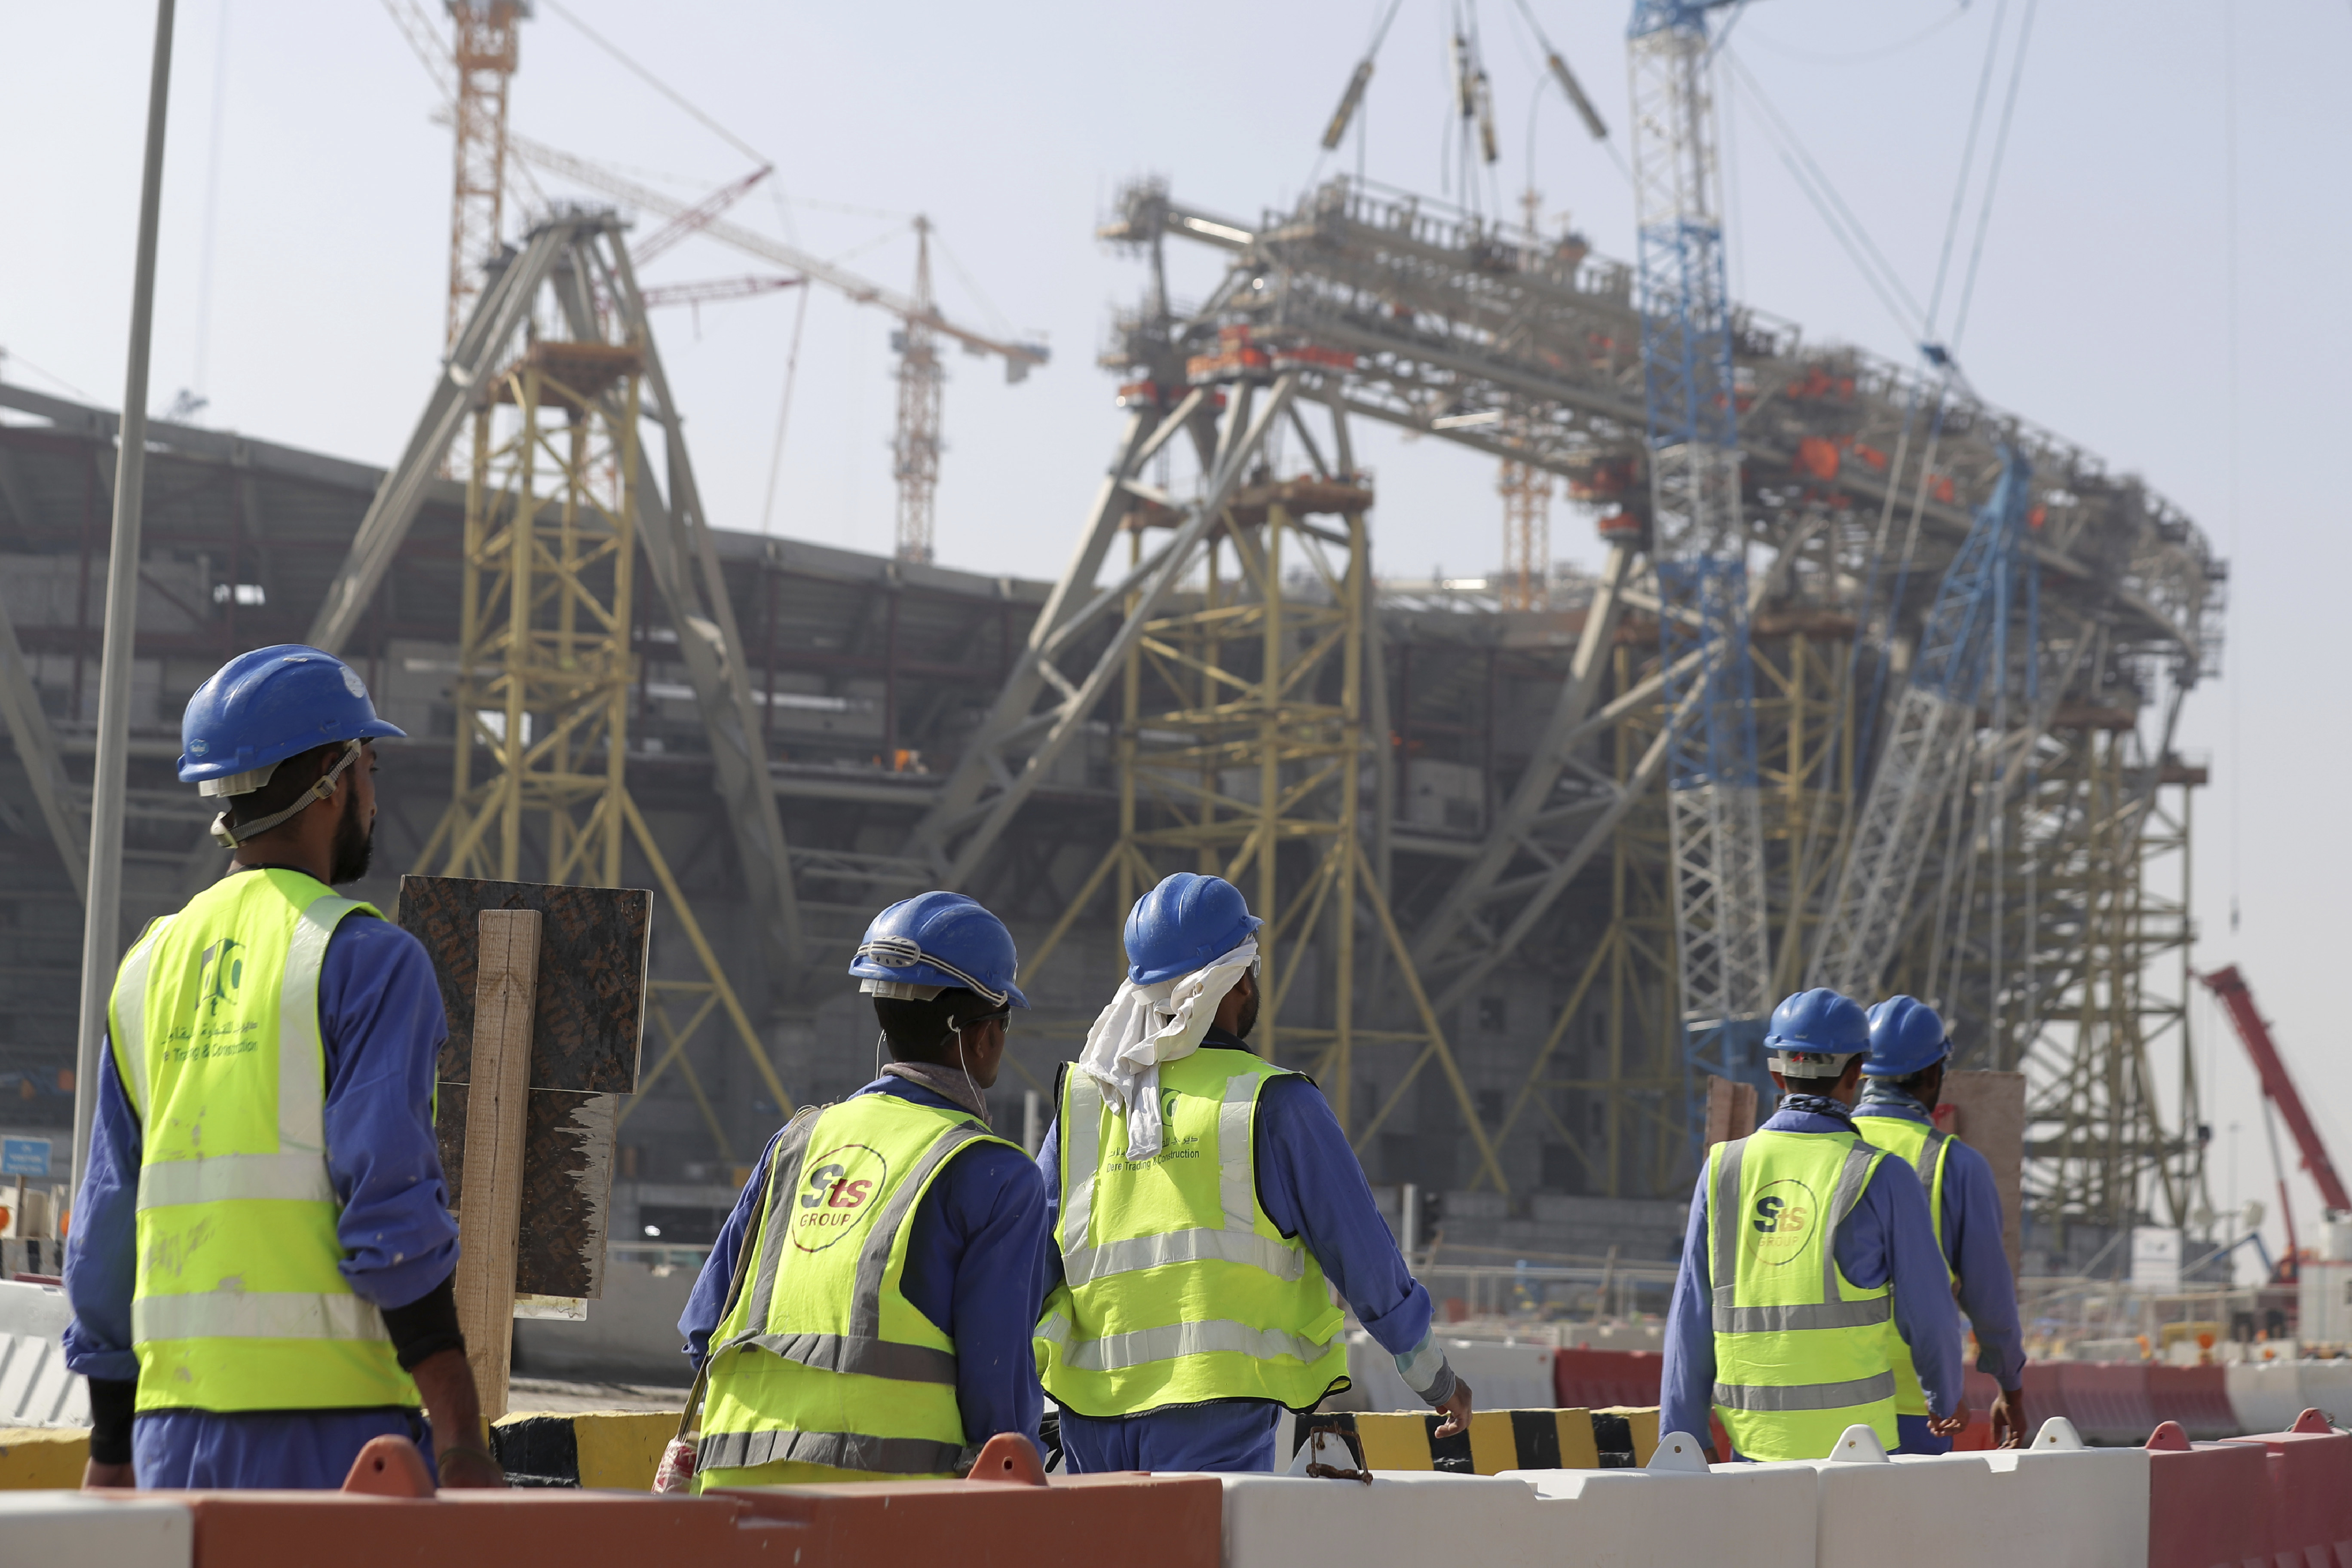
x: 1204, y: 1198
x: 891, y: 1338
x: 262, y: 1259
x: 1803, y: 1241
x: 1903, y: 1077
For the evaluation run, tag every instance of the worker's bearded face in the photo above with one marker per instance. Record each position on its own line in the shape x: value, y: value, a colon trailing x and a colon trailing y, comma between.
x: 1248, y: 1019
x: 355, y: 845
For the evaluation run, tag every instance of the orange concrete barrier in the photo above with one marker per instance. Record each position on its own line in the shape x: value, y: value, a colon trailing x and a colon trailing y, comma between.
x: 1597, y: 1379
x: 2197, y: 1397
x: 2208, y: 1503
x: 2107, y: 1401
x: 1007, y: 1522
x: 2309, y: 1482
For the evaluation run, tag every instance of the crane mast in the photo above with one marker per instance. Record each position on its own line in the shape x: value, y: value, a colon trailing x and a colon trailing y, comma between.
x: 483, y: 51
x: 915, y: 446
x: 1698, y: 541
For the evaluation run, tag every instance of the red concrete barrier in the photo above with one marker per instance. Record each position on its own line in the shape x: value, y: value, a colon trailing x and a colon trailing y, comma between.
x: 2197, y: 1397
x: 2206, y: 1506
x: 2107, y: 1401
x: 1594, y: 1379
x: 1982, y: 1389
x: 1010, y: 1521
x: 2310, y: 1491
x: 2045, y: 1397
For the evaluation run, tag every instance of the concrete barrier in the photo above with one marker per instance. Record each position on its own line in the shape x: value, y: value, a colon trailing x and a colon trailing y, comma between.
x: 2208, y: 1503
x: 1598, y: 1379
x: 118, y: 1530
x: 2264, y: 1396
x: 1502, y: 1376
x: 596, y: 1448
x: 2197, y: 1397
x: 1757, y: 1516
x: 2062, y: 1503
x: 36, y: 1389
x: 1868, y: 1500
x: 2309, y: 1485
x: 2324, y: 1386
x: 35, y: 1457
x: 2107, y: 1401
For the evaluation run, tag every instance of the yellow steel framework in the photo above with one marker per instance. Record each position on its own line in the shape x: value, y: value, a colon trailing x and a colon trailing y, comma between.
x: 545, y: 669
x: 1242, y: 736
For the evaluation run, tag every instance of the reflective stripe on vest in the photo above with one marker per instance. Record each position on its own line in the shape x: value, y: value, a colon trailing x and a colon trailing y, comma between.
x: 1177, y: 1287
x: 1238, y: 1242
x: 1765, y: 1197
x: 234, y: 1197
x: 1896, y: 1134
x: 787, y: 1350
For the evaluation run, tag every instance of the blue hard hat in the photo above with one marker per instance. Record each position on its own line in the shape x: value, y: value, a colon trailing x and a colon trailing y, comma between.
x: 1820, y: 1022
x: 1907, y: 1036
x: 933, y: 941
x: 1182, y: 924
x: 263, y: 707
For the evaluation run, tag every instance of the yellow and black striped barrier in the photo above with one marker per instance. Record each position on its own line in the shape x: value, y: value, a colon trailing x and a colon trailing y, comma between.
x: 1620, y: 1437
x: 598, y: 1449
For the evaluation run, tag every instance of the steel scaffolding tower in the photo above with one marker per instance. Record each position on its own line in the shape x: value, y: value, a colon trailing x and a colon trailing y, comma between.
x: 1699, y: 540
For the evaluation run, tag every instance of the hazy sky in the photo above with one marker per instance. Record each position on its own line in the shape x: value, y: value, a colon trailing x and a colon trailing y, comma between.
x: 308, y: 182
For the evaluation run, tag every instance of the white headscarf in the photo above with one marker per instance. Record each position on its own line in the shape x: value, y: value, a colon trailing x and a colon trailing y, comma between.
x: 1145, y: 1025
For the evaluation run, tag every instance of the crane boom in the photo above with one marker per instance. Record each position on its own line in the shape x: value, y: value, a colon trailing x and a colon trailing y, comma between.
x: 1019, y: 358
x: 2231, y: 987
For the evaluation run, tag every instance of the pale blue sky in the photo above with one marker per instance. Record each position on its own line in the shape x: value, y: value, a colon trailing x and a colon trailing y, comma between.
x: 2100, y: 313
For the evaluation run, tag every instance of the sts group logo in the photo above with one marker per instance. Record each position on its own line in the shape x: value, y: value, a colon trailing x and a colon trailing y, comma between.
x: 837, y: 1195
x: 1784, y: 1221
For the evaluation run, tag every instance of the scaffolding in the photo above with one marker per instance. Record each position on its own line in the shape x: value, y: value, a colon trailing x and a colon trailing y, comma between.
x: 546, y: 671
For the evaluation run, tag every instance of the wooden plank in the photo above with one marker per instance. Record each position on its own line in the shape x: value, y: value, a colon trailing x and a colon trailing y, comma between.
x: 1730, y: 1110
x: 1989, y: 1116
x: 586, y: 1038
x: 488, y: 1224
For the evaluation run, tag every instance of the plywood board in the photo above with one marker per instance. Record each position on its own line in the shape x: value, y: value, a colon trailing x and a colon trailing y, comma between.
x: 587, y: 1044
x: 1991, y: 1119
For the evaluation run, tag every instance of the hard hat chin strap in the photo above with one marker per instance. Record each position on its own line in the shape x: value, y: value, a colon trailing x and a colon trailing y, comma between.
x: 229, y: 838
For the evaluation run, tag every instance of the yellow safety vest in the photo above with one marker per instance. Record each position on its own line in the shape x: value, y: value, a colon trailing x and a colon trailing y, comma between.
x: 1800, y: 1351
x: 822, y: 1369
x: 238, y: 1301
x: 1919, y: 1145
x: 1177, y: 1289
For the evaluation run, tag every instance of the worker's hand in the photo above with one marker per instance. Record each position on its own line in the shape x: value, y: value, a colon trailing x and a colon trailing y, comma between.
x: 468, y: 1468
x: 94, y: 1474
x: 1456, y: 1410
x: 1950, y: 1425
x: 2008, y: 1419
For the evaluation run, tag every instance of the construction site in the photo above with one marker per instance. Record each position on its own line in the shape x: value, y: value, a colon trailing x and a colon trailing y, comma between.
x: 1797, y: 667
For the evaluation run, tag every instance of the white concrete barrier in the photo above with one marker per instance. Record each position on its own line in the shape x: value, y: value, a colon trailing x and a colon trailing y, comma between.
x: 2265, y: 1395
x: 1681, y: 1512
x: 52, y: 1528
x: 1501, y: 1376
x: 2322, y: 1385
x: 36, y: 1389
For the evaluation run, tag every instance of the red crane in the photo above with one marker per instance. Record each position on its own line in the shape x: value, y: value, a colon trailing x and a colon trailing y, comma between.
x: 2279, y: 1088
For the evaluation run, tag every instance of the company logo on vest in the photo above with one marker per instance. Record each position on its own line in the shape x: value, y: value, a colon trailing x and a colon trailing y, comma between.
x: 218, y: 973
x: 835, y: 1193
x: 1784, y: 1220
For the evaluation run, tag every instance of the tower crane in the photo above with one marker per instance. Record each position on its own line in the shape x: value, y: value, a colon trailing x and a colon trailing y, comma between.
x: 1698, y: 540
x: 1928, y: 743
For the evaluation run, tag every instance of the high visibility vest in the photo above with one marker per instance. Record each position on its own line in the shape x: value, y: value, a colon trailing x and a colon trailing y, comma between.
x: 822, y: 1369
x: 1919, y: 1145
x: 1800, y: 1351
x: 237, y: 1300
x: 1177, y: 1287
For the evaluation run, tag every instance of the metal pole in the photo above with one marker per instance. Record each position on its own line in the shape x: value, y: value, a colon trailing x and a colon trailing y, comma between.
x: 102, y: 916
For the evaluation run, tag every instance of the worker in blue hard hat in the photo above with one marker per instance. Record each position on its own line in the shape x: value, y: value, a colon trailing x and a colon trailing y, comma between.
x: 1804, y: 1243
x: 263, y: 1260
x: 1904, y: 1077
x: 1208, y: 1207
x: 891, y: 1338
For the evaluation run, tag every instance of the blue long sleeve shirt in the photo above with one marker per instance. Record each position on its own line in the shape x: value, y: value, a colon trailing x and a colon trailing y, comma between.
x: 1971, y: 1237
x: 1887, y: 1238
x: 1311, y: 1186
x: 975, y: 1268
x: 381, y: 1023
